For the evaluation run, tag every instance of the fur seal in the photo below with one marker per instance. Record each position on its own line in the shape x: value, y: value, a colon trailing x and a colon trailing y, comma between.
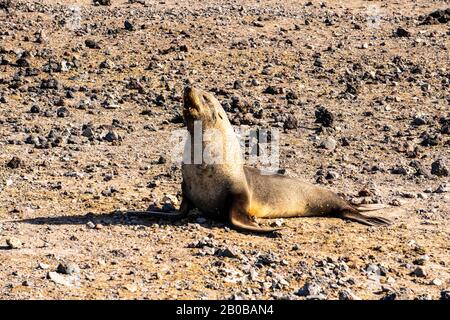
x: 239, y: 193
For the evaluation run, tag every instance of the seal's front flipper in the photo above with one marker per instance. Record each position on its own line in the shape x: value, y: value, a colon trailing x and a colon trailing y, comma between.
x: 185, y: 207
x: 164, y: 214
x: 367, y: 220
x: 240, y: 220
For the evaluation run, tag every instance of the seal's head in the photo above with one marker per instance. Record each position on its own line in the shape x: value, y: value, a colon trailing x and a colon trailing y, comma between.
x: 201, y: 106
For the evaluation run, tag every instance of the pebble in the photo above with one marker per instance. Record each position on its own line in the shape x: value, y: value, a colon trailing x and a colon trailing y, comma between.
x: 348, y: 295
x: 445, y: 295
x: 419, y: 272
x: 310, y: 289
x: 439, y: 168
x: 68, y: 268
x: 34, y: 109
x: 14, y: 163
x: 14, y: 243
x: 290, y: 123
x: 128, y: 25
x: 400, y: 33
x: 111, y: 136
x: 91, y: 44
x: 328, y: 144
x: 324, y: 117
x: 43, y: 266
x: 62, y: 112
x: 60, y: 279
x: 90, y: 225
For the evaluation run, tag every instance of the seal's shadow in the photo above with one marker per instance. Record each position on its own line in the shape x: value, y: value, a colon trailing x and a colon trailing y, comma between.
x: 107, y: 219
x: 132, y: 218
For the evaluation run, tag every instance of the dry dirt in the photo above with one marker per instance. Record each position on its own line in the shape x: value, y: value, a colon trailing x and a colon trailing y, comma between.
x: 79, y: 151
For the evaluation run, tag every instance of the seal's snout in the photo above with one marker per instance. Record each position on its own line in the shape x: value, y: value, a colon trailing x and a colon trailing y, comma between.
x: 191, y: 98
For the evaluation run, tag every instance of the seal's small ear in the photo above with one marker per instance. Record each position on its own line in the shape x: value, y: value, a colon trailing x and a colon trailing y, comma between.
x: 241, y: 221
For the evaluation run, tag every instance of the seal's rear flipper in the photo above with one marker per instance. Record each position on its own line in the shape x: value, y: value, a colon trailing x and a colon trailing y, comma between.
x: 367, y: 220
x: 242, y: 221
x: 371, y: 207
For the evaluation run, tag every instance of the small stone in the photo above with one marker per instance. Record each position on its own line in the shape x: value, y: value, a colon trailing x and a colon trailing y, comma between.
x: 226, y: 252
x: 332, y: 175
x: 441, y: 189
x: 27, y: 283
x: 22, y: 62
x: 419, y: 272
x: 290, y: 123
x: 400, y: 33
x: 348, y: 295
x: 162, y: 160
x: 419, y: 120
x: 111, y: 136
x: 14, y: 163
x: 309, y: 289
x: 390, y: 280
x: 62, y: 112
x: 170, y: 199
x: 324, y: 117
x: 273, y: 90
x: 237, y: 85
x: 329, y: 144
x: 87, y: 132
x: 373, y: 269
x: 60, y: 279
x: 106, y: 64
x: 103, y: 2
x: 90, y: 225
x: 128, y: 25
x: 439, y: 168
x: 425, y: 87
x: 43, y: 266
x: 421, y: 260
x: 91, y: 44
x: 437, y: 282
x: 35, y: 109
x: 277, y: 223
x: 14, y: 243
x: 68, y: 268
x: 399, y: 169
x: 445, y: 295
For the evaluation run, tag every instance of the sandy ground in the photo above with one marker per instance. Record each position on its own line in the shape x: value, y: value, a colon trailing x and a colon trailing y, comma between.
x: 81, y: 149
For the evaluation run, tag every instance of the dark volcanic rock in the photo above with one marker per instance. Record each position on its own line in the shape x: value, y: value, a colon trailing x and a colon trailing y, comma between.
x: 91, y: 44
x: 291, y: 122
x: 273, y: 90
x: 438, y: 16
x: 439, y: 168
x: 128, y: 25
x: 14, y: 163
x: 51, y: 83
x: 324, y: 117
x: 401, y: 33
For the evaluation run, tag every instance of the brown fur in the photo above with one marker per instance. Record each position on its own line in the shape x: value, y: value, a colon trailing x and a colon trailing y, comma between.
x: 240, y: 193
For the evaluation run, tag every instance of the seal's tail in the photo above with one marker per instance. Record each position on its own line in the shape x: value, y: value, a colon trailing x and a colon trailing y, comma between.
x: 355, y: 214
